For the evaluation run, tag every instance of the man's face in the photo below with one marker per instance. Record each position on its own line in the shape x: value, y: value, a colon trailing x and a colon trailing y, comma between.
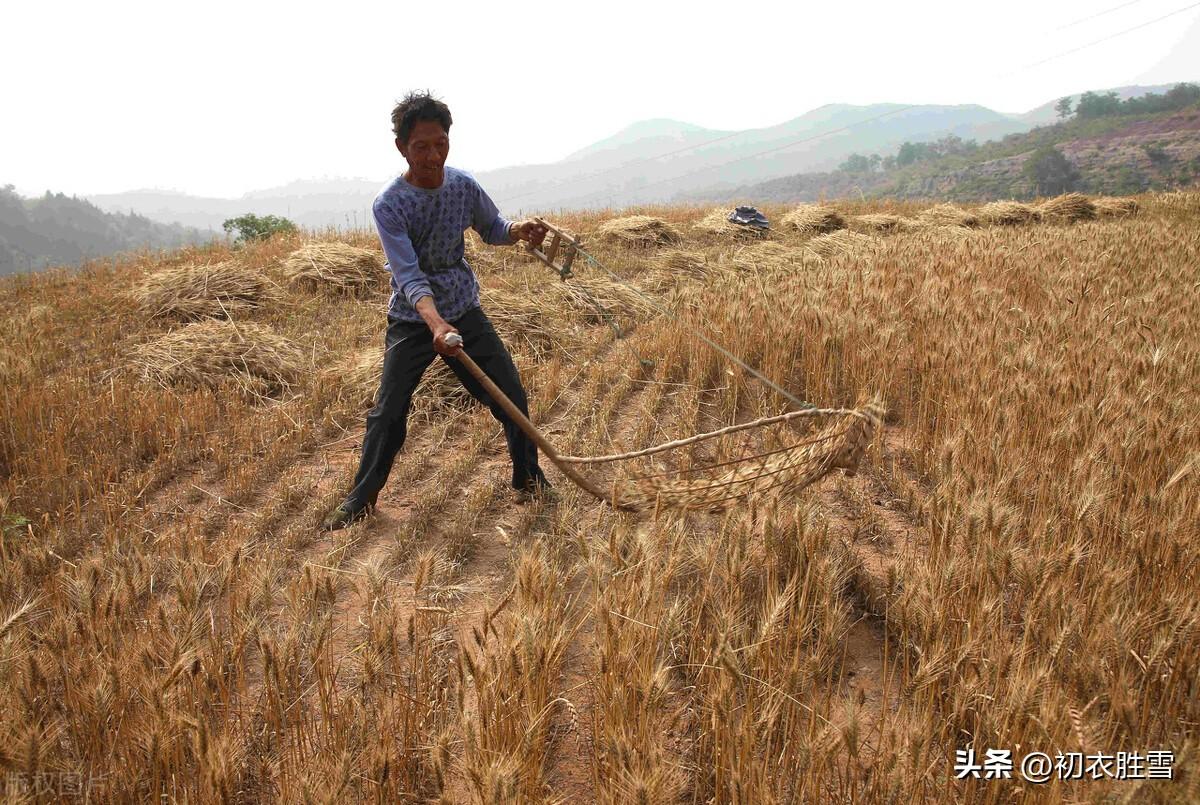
x: 426, y: 151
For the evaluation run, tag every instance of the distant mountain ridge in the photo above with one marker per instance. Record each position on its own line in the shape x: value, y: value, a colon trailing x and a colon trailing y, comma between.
x: 649, y: 161
x: 1118, y: 155
x: 59, y: 230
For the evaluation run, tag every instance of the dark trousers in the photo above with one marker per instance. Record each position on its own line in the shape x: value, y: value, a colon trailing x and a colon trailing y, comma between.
x: 409, y: 351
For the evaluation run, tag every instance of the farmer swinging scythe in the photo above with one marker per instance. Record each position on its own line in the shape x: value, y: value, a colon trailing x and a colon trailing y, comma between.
x: 435, y: 310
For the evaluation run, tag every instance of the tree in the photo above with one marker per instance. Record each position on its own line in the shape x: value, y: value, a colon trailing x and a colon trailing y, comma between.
x: 855, y: 163
x: 911, y: 152
x: 1092, y: 105
x: 251, y: 227
x: 1051, y: 172
x: 1157, y: 155
x: 1063, y: 107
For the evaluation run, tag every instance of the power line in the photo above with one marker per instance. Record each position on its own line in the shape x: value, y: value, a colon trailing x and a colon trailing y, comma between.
x: 1105, y: 39
x: 1097, y: 14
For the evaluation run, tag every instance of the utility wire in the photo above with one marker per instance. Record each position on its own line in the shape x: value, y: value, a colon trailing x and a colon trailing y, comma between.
x: 1097, y: 14
x: 1105, y: 39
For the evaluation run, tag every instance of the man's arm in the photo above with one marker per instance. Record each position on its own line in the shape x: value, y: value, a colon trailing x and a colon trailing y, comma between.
x: 412, y: 282
x: 495, y: 229
x: 401, y: 256
x: 437, y: 325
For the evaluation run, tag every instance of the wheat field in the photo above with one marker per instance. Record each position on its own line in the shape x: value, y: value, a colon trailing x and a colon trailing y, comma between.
x: 1014, y: 566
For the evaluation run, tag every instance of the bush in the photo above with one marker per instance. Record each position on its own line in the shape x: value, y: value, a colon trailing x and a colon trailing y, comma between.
x: 1157, y: 155
x: 252, y: 227
x: 1050, y: 172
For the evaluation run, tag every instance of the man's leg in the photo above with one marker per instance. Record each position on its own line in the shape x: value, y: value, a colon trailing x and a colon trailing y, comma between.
x: 485, y: 347
x: 408, y: 353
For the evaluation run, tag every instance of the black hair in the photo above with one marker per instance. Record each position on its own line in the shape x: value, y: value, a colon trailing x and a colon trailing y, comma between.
x: 418, y: 106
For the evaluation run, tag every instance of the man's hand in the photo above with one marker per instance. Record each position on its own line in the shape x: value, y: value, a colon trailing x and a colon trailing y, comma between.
x: 530, y: 231
x: 440, y: 332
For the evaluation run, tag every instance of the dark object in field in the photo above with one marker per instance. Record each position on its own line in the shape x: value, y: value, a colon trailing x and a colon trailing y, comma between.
x: 749, y: 216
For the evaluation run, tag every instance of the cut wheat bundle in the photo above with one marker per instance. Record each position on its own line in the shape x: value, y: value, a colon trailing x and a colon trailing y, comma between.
x: 716, y: 222
x: 199, y: 291
x: 600, y: 300
x: 765, y: 256
x: 439, y: 389
x: 521, y: 318
x: 335, y: 267
x: 639, y: 230
x: 880, y: 223
x: 1068, y: 207
x: 688, y: 263
x: 947, y: 215
x: 814, y: 219
x: 213, y: 352
x: 1008, y: 213
x: 841, y: 242
x: 1115, y: 205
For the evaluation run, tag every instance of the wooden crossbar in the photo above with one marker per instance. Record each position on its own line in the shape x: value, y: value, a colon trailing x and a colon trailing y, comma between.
x: 559, y: 241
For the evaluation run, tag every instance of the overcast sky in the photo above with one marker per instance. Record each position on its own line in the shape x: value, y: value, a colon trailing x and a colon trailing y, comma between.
x: 225, y: 97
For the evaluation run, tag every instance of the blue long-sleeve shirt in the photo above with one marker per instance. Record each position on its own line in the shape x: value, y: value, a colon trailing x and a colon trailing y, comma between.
x: 422, y: 235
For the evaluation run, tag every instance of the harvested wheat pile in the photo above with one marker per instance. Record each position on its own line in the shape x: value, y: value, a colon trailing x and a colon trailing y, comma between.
x: 439, y: 389
x: 194, y: 292
x: 215, y: 351
x: 840, y: 242
x: 813, y: 219
x: 1115, y: 205
x: 336, y: 267
x: 639, y: 230
x: 765, y: 256
x: 519, y: 318
x: 601, y: 300
x: 717, y: 222
x: 480, y: 256
x: 1008, y: 213
x: 881, y: 223
x: 947, y: 215
x: 1068, y: 207
x: 692, y: 264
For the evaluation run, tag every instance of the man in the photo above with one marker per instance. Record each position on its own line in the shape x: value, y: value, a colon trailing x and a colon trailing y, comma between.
x: 421, y: 216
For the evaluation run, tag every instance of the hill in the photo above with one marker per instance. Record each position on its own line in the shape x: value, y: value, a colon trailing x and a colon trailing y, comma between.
x: 57, y: 230
x: 1112, y: 153
x: 1011, y: 569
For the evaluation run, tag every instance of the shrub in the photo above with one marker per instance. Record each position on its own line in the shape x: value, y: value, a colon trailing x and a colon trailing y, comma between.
x: 252, y: 227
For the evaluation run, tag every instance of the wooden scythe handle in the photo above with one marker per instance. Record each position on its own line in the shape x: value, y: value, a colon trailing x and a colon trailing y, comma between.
x: 455, y: 340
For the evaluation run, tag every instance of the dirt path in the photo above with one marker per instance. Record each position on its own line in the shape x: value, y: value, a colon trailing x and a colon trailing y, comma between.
x: 875, y: 527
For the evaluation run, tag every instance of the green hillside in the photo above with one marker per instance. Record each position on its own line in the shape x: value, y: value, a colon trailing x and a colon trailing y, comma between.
x: 60, y: 230
x: 1102, y: 145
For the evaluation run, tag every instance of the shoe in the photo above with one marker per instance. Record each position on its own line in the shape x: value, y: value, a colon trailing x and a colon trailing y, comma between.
x: 537, y: 489
x: 342, y: 517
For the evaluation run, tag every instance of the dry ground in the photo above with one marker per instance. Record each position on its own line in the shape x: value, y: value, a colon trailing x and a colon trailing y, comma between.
x: 1016, y: 567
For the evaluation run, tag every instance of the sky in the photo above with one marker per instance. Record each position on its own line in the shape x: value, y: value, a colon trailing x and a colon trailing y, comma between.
x: 222, y: 98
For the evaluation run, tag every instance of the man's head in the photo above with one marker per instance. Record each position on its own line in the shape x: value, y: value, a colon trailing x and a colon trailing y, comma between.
x: 421, y: 124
